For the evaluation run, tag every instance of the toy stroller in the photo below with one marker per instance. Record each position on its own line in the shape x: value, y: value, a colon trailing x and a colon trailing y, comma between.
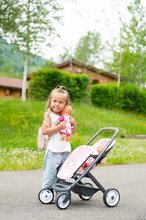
x: 78, y: 166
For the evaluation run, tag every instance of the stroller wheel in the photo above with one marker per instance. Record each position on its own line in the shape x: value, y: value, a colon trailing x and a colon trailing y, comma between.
x: 111, y: 197
x: 63, y: 200
x: 85, y: 197
x: 46, y: 196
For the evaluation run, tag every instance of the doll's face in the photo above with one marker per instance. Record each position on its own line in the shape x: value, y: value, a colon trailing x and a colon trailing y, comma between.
x: 67, y: 110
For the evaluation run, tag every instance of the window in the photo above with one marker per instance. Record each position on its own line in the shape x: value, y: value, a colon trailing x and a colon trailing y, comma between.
x: 7, y: 92
x: 95, y: 81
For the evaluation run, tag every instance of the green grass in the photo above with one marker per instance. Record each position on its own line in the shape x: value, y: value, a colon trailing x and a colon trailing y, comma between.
x: 19, y: 122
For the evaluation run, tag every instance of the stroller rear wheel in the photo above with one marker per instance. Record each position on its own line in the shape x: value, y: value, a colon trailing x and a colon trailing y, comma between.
x: 63, y: 200
x: 46, y: 196
x: 111, y: 197
x: 84, y: 197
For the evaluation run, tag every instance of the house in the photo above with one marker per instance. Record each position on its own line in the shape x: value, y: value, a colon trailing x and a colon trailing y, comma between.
x: 10, y: 87
x: 95, y: 75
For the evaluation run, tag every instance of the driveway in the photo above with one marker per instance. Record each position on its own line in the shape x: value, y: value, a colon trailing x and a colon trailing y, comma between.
x: 18, y: 196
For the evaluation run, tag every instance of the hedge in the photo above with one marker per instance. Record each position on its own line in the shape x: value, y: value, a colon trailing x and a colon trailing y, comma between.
x: 126, y: 97
x: 43, y: 81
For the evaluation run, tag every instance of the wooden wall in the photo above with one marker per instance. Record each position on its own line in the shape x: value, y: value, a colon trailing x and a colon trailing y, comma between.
x: 8, y: 92
x: 95, y: 77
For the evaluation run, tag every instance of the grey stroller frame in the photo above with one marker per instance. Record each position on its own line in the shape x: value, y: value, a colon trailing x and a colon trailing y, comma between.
x: 85, y: 191
x: 111, y: 196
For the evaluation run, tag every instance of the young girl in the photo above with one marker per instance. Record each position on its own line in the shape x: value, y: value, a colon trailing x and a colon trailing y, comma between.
x: 57, y: 150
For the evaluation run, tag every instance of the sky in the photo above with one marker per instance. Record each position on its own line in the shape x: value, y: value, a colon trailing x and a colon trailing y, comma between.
x: 81, y: 16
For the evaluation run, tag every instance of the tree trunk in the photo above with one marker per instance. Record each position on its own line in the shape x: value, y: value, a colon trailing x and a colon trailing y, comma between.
x: 140, y: 79
x: 24, y: 83
x: 119, y: 69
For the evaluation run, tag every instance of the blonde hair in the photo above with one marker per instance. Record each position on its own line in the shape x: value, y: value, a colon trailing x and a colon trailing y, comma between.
x: 59, y: 89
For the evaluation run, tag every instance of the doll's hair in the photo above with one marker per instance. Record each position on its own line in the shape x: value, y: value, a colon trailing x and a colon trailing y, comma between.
x: 67, y: 110
x: 59, y: 89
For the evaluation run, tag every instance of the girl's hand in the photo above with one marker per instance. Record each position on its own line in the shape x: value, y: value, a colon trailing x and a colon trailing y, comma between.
x: 62, y: 125
x: 72, y: 121
x: 73, y: 124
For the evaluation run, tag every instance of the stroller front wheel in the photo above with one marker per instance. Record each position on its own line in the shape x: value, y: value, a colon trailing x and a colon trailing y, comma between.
x: 111, y: 197
x: 63, y: 200
x: 46, y: 196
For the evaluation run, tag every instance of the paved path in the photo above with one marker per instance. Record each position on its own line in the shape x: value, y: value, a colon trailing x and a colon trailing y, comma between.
x: 18, y: 196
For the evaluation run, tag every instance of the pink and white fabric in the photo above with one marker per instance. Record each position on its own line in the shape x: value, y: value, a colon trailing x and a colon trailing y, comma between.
x: 80, y: 155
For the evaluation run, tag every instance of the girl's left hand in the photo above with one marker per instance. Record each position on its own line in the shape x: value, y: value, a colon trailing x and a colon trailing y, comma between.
x: 73, y: 125
x: 72, y: 121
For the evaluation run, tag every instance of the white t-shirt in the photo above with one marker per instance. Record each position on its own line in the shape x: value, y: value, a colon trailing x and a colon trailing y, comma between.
x: 55, y: 143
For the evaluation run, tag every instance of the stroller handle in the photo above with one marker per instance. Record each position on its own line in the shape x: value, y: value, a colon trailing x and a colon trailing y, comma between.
x: 116, y: 131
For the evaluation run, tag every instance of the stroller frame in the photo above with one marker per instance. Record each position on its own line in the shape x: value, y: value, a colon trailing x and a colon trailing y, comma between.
x: 85, y: 191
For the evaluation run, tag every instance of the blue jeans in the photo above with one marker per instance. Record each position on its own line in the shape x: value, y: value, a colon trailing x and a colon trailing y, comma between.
x: 52, y: 163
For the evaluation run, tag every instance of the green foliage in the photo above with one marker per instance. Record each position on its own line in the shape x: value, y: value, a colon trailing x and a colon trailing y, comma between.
x: 9, y: 11
x: 88, y: 48
x: 129, y: 53
x: 27, y: 22
x: 77, y: 86
x: 34, y: 24
x: 66, y: 55
x: 48, y: 63
x: 11, y: 61
x: 43, y: 81
x: 20, y: 122
x: 20, y: 159
x: 133, y: 99
x: 130, y: 151
x: 127, y: 97
x: 106, y: 96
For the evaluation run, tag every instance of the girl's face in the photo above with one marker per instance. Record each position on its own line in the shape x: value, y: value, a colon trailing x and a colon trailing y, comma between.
x: 58, y: 102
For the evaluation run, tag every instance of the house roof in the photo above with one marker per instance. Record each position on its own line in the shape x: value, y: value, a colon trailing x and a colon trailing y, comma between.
x: 10, y: 82
x: 88, y: 67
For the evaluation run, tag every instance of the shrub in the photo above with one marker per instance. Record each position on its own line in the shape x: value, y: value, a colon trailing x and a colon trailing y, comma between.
x: 127, y: 97
x: 106, y: 96
x: 130, y: 98
x: 43, y: 81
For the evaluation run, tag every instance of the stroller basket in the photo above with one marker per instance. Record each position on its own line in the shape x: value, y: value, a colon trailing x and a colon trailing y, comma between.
x: 84, y: 190
x: 79, y: 188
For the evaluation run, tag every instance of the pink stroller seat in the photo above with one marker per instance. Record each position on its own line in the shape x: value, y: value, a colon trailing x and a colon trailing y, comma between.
x: 79, y: 156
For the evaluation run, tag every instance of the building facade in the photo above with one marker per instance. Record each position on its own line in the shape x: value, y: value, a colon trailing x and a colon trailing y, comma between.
x: 96, y: 75
x: 10, y: 87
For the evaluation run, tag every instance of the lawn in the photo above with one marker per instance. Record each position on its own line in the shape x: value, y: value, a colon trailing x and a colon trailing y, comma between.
x: 19, y: 122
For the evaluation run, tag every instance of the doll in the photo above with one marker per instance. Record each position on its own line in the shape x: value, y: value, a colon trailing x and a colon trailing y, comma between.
x: 65, y: 116
x: 89, y: 161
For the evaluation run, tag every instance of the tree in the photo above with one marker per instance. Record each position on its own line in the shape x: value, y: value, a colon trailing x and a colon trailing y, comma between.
x: 88, y: 48
x: 66, y: 55
x: 136, y: 32
x: 33, y: 24
x: 131, y: 48
x: 9, y: 10
x: 49, y: 63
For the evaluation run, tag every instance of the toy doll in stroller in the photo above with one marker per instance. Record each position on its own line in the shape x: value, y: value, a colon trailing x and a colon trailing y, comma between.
x: 78, y: 166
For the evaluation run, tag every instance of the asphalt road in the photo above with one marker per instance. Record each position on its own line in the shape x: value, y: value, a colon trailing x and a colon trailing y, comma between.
x: 18, y: 196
